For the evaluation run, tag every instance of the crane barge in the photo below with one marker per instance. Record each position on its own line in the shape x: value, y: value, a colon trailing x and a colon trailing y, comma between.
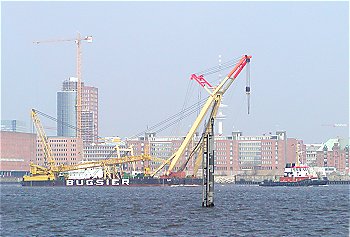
x: 54, y: 175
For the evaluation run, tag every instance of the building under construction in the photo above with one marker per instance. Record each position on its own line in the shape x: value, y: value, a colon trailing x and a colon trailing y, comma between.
x: 67, y: 111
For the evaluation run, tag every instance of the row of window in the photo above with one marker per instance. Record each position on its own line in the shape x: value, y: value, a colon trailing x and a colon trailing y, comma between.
x: 268, y: 148
x: 161, y: 154
x: 223, y: 157
x: 73, y: 149
x: 161, y: 149
x: 249, y: 144
x: 101, y: 148
x: 55, y: 155
x: 257, y: 168
x: 222, y: 149
x: 220, y: 163
x: 102, y: 152
x: 56, y: 145
x: 250, y: 149
x: 267, y: 157
x: 57, y: 158
x: 249, y: 153
x: 161, y: 144
x: 218, y: 144
x: 60, y: 141
x: 249, y: 158
x: 223, y: 153
x: 220, y: 168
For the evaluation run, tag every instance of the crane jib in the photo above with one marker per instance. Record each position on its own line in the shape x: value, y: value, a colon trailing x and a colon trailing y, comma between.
x: 216, y: 95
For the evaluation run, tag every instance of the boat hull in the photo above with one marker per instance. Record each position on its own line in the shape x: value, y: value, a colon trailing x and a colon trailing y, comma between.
x: 145, y: 181
x: 305, y: 182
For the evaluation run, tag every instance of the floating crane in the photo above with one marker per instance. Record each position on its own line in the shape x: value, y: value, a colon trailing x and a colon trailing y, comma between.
x: 50, y: 171
x: 214, y: 100
x: 78, y: 42
x: 40, y: 172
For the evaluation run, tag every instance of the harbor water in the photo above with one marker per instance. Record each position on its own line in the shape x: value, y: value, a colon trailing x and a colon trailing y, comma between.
x: 174, y: 211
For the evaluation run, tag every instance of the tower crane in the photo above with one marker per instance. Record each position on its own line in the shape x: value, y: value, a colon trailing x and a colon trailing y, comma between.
x: 78, y: 40
x: 214, y: 100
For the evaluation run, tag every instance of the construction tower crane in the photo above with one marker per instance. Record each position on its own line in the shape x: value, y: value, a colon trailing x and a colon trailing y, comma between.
x: 214, y: 100
x: 78, y: 40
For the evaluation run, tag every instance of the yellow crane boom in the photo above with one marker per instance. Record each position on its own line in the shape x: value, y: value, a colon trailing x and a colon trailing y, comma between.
x: 215, y: 96
x: 48, y: 155
x: 102, y: 163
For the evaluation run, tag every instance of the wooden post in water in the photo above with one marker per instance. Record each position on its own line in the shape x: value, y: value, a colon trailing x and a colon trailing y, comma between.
x: 208, y: 167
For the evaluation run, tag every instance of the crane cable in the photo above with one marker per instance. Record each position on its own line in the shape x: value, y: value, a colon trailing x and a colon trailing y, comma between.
x: 179, y: 119
x: 63, y: 123
x: 219, y: 68
x: 182, y: 114
x: 188, y: 92
x: 209, y: 71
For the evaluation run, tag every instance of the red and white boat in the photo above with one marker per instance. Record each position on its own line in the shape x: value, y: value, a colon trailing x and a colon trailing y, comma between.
x: 297, y: 175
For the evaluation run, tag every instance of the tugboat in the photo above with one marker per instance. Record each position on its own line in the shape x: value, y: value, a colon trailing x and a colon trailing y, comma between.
x: 297, y: 175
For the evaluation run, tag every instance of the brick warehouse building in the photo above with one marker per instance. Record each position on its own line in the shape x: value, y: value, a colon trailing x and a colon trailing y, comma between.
x: 18, y: 149
x: 236, y: 154
x: 334, y: 154
x: 159, y: 147
x: 256, y: 155
x: 15, y: 159
x: 65, y: 150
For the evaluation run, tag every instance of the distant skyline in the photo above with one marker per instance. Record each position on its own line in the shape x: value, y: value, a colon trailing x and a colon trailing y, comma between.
x: 143, y: 54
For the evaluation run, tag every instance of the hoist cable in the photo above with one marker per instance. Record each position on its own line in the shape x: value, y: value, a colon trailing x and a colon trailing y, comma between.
x: 171, y: 118
x: 218, y: 67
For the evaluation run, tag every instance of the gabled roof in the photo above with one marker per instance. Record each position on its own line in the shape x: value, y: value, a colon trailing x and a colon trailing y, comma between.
x: 331, y: 142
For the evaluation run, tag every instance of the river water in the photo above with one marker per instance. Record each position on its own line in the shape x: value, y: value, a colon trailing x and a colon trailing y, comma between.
x: 174, y: 211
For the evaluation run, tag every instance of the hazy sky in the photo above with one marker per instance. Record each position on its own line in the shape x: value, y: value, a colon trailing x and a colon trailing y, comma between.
x: 144, y: 52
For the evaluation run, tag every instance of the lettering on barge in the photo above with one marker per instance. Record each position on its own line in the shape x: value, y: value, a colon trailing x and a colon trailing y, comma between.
x: 96, y: 182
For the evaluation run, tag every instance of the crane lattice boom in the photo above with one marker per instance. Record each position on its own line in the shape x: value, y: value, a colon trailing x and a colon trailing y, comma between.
x: 48, y: 155
x: 213, y: 101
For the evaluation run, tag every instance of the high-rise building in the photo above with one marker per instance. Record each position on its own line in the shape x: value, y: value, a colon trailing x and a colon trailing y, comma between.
x: 66, y: 107
x: 89, y: 114
x: 66, y: 113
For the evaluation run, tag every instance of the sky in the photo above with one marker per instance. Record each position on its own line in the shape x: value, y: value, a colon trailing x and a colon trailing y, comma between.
x: 144, y: 53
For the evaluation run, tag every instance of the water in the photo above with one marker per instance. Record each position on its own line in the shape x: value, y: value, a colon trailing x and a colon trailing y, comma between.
x: 174, y: 211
